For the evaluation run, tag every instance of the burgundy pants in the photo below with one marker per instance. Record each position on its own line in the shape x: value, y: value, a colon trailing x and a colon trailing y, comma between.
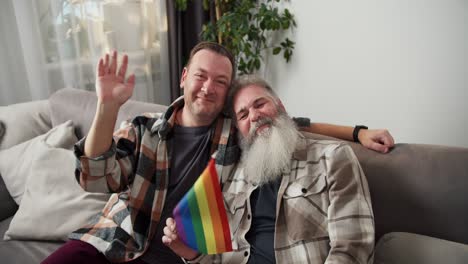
x: 79, y: 252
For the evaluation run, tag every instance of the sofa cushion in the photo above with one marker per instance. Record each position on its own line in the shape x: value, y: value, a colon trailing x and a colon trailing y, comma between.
x: 15, y: 162
x: 80, y: 106
x: 415, y: 188
x: 408, y: 248
x: 24, y: 252
x: 24, y: 121
x: 53, y: 204
x: 418, y: 188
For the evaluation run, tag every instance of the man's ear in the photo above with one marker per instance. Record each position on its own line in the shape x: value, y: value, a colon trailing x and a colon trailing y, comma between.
x: 183, y: 77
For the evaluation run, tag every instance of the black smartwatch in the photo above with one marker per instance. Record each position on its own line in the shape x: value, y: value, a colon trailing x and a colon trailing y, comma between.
x: 356, y: 132
x: 301, y: 121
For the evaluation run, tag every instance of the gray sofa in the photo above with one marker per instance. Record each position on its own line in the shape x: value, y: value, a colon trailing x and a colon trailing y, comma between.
x: 418, y: 191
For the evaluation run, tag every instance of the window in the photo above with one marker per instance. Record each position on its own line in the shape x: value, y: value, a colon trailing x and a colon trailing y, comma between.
x: 75, y: 33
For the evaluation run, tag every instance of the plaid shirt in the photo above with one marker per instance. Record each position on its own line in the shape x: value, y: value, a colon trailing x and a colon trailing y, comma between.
x: 136, y: 170
x: 323, y: 212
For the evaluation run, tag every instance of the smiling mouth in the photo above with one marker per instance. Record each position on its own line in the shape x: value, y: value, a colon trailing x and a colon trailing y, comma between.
x: 204, y: 99
x: 262, y: 126
x: 262, y: 129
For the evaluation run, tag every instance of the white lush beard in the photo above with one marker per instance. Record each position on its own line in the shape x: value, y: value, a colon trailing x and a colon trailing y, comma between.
x: 265, y: 156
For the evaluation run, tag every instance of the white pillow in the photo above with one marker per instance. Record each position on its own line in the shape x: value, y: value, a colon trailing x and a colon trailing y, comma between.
x: 24, y: 121
x: 15, y: 162
x: 53, y: 203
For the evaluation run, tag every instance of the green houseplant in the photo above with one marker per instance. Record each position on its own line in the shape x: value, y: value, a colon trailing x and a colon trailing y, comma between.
x: 250, y: 29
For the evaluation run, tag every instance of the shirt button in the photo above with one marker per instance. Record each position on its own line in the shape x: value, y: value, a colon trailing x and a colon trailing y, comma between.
x: 304, y: 190
x: 248, y: 217
x: 131, y: 255
x: 246, y: 253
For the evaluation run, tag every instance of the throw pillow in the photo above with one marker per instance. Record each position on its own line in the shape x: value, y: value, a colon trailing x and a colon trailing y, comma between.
x: 53, y: 203
x: 24, y: 121
x: 15, y: 162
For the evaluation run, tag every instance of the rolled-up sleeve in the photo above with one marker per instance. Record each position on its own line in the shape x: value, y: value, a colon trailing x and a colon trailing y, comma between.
x: 111, y: 171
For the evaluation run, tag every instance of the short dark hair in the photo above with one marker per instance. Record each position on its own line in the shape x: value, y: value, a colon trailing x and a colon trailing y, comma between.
x: 217, y: 48
x: 240, y: 83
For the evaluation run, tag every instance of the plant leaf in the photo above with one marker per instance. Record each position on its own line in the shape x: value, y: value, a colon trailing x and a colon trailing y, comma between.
x: 276, y: 50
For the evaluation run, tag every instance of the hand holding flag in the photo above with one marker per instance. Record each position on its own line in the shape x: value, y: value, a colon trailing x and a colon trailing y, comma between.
x: 201, y: 220
x: 171, y: 240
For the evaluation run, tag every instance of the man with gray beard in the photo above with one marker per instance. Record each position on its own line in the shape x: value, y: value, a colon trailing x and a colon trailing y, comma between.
x: 266, y: 155
x: 293, y: 199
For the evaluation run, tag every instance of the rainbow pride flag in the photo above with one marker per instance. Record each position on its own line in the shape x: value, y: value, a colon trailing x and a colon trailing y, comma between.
x: 200, y: 216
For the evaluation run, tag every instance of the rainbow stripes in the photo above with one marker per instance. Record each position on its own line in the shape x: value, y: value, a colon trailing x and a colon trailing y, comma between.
x: 200, y: 216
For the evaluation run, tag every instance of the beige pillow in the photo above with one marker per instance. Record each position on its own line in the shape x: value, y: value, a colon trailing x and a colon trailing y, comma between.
x: 15, y: 162
x: 24, y: 121
x: 53, y: 203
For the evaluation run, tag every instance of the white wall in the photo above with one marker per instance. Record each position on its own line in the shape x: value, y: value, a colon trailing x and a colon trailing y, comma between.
x: 396, y: 64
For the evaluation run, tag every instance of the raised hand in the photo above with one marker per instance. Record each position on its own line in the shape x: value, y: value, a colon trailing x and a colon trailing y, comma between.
x: 376, y: 139
x: 171, y: 240
x: 111, y: 86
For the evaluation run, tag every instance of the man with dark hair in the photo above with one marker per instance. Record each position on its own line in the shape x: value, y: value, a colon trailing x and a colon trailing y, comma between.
x: 292, y: 199
x: 151, y: 163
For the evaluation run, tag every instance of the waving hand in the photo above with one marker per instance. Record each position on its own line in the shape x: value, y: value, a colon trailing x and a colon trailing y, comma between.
x: 111, y: 85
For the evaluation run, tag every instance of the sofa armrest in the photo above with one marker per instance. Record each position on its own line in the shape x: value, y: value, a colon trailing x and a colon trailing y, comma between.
x: 24, y: 121
x: 8, y: 207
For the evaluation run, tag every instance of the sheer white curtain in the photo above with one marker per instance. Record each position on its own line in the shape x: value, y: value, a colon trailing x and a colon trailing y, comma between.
x: 52, y: 44
x: 13, y: 85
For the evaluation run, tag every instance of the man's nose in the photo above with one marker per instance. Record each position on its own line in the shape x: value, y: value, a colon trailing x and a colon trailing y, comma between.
x: 207, y: 87
x: 255, y: 115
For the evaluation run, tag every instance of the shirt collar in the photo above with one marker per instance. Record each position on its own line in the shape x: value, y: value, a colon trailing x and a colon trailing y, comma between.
x: 165, y: 123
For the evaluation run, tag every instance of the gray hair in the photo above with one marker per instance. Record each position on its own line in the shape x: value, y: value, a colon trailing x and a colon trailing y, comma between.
x: 240, y: 83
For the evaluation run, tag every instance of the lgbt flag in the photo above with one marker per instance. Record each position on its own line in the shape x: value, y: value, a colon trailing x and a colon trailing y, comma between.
x: 200, y: 216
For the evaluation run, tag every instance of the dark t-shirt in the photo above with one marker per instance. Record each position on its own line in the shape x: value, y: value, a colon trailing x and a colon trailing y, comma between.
x: 189, y: 153
x: 261, y: 235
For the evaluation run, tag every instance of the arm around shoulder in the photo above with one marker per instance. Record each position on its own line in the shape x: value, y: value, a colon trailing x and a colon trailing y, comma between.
x: 379, y: 140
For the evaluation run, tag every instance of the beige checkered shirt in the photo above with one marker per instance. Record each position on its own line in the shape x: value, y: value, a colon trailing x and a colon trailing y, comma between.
x: 323, y: 212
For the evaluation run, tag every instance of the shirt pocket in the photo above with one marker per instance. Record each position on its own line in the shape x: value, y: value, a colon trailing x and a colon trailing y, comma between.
x: 235, y: 208
x: 305, y: 203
